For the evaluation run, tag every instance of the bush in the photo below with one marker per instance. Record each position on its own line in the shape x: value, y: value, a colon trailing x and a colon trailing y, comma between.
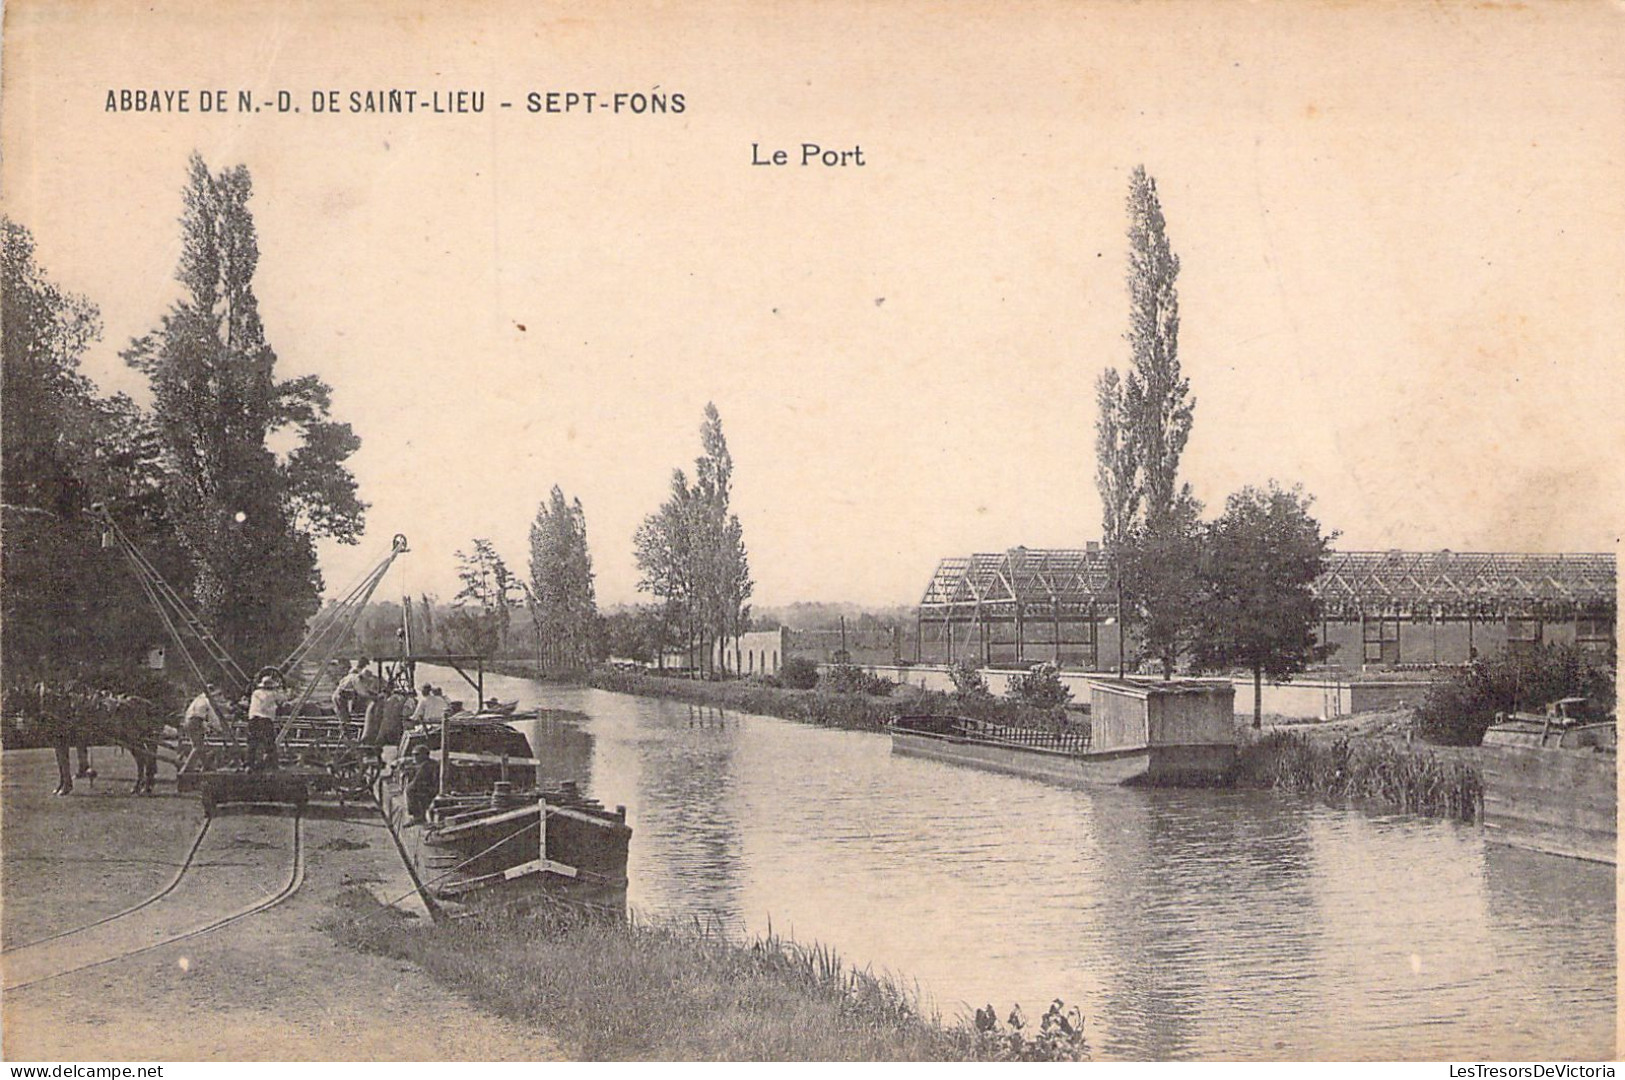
x: 851, y: 679
x: 1456, y: 712
x: 1040, y: 688
x: 798, y: 673
x: 969, y: 685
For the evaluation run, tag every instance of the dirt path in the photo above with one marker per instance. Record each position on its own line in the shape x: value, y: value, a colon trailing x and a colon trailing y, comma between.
x: 271, y: 987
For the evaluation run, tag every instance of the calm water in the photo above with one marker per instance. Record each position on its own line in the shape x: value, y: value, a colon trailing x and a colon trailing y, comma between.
x: 1186, y: 924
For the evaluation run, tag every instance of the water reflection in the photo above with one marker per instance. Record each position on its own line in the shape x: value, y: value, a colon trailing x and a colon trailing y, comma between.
x: 673, y: 767
x: 1177, y: 922
x: 564, y: 747
x: 1546, y: 914
x: 1187, y: 924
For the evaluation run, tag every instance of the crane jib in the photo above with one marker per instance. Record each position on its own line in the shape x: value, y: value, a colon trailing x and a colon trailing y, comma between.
x: 192, y: 636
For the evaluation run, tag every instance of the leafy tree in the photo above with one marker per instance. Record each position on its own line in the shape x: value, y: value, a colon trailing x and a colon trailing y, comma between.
x: 1141, y: 427
x: 482, y: 610
x: 563, y: 607
x: 65, y: 448
x: 663, y: 546
x: 635, y: 634
x: 691, y: 552
x: 247, y: 519
x: 1257, y: 610
x: 48, y: 408
x: 1159, y: 569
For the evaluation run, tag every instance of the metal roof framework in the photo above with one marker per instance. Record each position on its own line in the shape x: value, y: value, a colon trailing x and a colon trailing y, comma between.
x: 1064, y: 581
x: 1449, y: 584
x: 1356, y: 584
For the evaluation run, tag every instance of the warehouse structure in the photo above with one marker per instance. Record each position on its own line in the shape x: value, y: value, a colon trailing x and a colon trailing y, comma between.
x: 1379, y: 610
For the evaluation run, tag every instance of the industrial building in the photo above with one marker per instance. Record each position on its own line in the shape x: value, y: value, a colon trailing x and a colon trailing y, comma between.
x: 1380, y: 610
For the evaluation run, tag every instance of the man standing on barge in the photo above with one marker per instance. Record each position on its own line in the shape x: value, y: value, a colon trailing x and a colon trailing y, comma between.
x: 262, y: 708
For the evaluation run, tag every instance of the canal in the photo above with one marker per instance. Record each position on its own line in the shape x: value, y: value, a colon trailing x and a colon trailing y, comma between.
x: 1185, y: 923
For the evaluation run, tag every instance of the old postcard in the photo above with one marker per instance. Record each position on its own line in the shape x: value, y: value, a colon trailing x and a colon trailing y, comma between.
x: 811, y: 530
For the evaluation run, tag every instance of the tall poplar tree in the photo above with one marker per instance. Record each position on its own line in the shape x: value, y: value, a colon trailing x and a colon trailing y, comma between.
x: 725, y: 564
x: 246, y: 518
x: 1156, y: 393
x: 561, y: 583
x: 1150, y: 519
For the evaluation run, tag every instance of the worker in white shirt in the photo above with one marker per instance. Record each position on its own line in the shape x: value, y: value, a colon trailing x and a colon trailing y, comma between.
x: 262, y: 708
x: 200, y: 719
x: 431, y: 708
x: 348, y: 695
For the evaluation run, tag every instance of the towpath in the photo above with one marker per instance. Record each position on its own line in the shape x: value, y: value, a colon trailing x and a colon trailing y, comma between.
x: 271, y: 986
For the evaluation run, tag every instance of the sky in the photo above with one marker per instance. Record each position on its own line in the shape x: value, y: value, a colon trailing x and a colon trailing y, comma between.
x: 1399, y: 229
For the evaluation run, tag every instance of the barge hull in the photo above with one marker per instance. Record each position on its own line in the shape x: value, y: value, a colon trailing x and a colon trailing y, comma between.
x: 1191, y: 764
x: 583, y: 856
x: 1559, y: 802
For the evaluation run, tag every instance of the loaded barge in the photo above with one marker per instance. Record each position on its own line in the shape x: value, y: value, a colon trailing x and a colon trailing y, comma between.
x: 1139, y: 731
x: 463, y: 801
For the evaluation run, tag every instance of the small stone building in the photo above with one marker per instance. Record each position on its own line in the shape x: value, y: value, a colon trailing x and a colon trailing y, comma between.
x: 759, y: 652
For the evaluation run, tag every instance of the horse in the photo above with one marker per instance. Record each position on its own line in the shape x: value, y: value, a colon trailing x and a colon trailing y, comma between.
x: 134, y: 723
x: 67, y: 716
x: 50, y: 711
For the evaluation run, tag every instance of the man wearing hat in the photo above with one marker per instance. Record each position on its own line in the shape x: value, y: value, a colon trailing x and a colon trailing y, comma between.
x: 262, y: 707
x: 431, y: 708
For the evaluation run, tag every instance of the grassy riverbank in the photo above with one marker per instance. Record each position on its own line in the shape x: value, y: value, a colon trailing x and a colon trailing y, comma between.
x: 1339, y: 768
x: 856, y: 712
x: 825, y: 707
x: 640, y: 991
